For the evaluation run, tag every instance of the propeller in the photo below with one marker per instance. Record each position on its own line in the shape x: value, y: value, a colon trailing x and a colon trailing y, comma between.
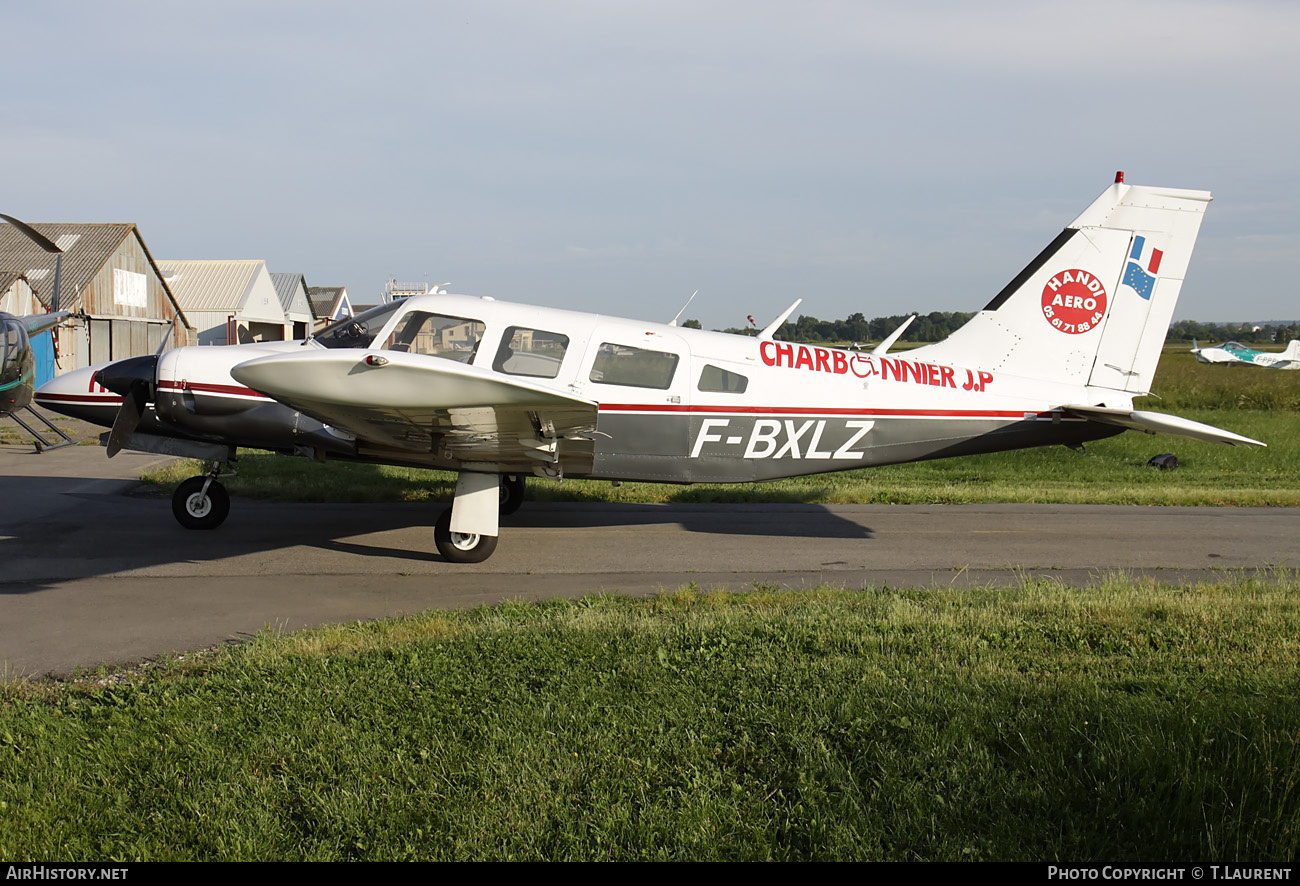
x: 133, y: 378
x: 128, y: 417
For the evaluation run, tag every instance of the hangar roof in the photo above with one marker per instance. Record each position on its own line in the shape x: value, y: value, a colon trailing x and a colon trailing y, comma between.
x: 231, y: 286
x: 86, y: 248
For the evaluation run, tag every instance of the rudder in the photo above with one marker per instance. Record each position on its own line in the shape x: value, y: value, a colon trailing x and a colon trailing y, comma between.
x: 1093, y: 307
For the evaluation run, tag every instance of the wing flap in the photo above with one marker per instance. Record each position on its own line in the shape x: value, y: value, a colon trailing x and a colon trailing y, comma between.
x: 1159, y: 423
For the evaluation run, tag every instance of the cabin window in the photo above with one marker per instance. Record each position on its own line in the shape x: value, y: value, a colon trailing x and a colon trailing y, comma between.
x: 714, y: 379
x: 437, y: 335
x: 531, y: 352
x: 358, y: 331
x: 633, y: 367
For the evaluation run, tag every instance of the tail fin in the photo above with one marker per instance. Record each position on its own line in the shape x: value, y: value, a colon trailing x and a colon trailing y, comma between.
x: 1094, y: 307
x: 1292, y: 351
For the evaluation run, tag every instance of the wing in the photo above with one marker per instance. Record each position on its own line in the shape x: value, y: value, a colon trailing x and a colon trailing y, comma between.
x: 419, y: 403
x: 1158, y: 423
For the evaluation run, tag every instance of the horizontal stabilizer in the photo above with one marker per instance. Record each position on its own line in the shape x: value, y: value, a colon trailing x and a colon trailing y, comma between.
x: 1159, y: 423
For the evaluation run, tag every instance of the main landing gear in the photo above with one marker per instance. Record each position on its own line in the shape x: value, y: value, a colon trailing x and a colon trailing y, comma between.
x: 461, y: 547
x: 480, y: 500
x: 512, y: 493
x: 201, y: 502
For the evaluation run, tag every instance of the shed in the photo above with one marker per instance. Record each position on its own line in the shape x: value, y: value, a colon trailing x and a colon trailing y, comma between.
x: 109, y: 277
x: 229, y: 301
x: 330, y: 303
x: 292, y: 291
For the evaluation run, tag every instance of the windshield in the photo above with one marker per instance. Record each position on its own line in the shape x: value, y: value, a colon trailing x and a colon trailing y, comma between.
x: 12, y: 335
x: 438, y: 335
x: 358, y: 331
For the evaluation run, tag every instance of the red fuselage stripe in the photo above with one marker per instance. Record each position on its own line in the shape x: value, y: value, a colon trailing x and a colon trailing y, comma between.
x: 95, y: 399
x: 233, y: 390
x: 202, y: 388
x: 815, y: 410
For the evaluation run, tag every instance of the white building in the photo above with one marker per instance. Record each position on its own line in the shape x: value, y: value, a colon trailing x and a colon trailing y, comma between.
x: 228, y: 302
x: 292, y: 290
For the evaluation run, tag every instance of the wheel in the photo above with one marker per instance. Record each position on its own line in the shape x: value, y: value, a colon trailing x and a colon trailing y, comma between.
x: 194, y: 510
x: 512, y: 493
x: 461, y: 547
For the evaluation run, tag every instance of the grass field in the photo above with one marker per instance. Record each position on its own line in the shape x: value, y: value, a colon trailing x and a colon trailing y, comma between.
x: 1121, y: 722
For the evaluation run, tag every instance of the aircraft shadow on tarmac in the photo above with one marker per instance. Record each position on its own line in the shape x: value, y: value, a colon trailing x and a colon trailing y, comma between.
x: 90, y: 535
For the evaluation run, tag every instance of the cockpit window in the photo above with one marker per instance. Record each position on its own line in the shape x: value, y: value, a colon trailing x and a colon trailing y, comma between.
x: 358, y: 331
x: 633, y: 367
x: 11, y: 338
x: 437, y: 335
x: 531, y: 352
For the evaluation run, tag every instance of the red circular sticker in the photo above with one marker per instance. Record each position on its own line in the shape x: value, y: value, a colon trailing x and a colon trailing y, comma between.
x: 1074, y: 301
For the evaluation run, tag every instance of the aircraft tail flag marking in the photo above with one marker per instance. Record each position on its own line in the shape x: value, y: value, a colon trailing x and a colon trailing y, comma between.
x: 1140, y: 281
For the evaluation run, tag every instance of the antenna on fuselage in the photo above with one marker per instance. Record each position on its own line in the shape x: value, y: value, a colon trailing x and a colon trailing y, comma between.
x: 880, y: 349
x: 771, y: 328
x: 684, y: 307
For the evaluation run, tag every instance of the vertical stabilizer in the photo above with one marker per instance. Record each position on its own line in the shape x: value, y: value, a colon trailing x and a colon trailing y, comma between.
x: 1094, y: 306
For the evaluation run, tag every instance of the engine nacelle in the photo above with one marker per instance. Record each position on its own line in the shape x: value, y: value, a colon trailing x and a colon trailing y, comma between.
x: 192, y: 396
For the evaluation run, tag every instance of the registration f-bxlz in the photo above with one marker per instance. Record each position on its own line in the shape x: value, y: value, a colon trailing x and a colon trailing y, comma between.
x: 500, y: 391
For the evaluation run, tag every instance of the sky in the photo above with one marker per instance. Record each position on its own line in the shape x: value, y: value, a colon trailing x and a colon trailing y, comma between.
x: 864, y: 156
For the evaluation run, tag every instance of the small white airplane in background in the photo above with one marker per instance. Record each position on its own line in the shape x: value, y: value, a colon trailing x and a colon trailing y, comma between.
x: 1235, y: 352
x: 498, y: 391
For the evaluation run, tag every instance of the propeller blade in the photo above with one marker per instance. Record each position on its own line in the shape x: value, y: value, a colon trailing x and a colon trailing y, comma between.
x: 128, y: 417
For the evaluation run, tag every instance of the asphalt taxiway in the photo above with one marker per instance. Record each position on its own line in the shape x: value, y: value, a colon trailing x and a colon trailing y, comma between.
x: 94, y: 569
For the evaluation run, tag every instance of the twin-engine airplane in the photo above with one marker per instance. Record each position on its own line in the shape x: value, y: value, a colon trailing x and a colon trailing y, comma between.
x: 1234, y: 352
x: 499, y: 391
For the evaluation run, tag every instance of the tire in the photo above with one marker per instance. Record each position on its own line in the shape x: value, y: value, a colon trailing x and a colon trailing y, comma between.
x: 459, y: 547
x: 512, y: 493
x: 194, y: 510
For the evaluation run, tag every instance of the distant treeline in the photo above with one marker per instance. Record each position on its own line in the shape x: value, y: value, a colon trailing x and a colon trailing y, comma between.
x: 856, y: 328
x: 1186, y: 330
x: 938, y: 325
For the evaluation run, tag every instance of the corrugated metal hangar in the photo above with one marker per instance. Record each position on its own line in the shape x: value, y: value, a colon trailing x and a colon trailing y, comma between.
x: 109, y: 276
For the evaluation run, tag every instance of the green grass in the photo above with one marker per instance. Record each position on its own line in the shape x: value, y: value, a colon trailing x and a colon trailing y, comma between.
x: 1182, y: 383
x: 1123, y: 721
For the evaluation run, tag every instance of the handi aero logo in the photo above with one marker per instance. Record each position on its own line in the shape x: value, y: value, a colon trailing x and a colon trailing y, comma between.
x: 1074, y: 301
x: 1142, y: 282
